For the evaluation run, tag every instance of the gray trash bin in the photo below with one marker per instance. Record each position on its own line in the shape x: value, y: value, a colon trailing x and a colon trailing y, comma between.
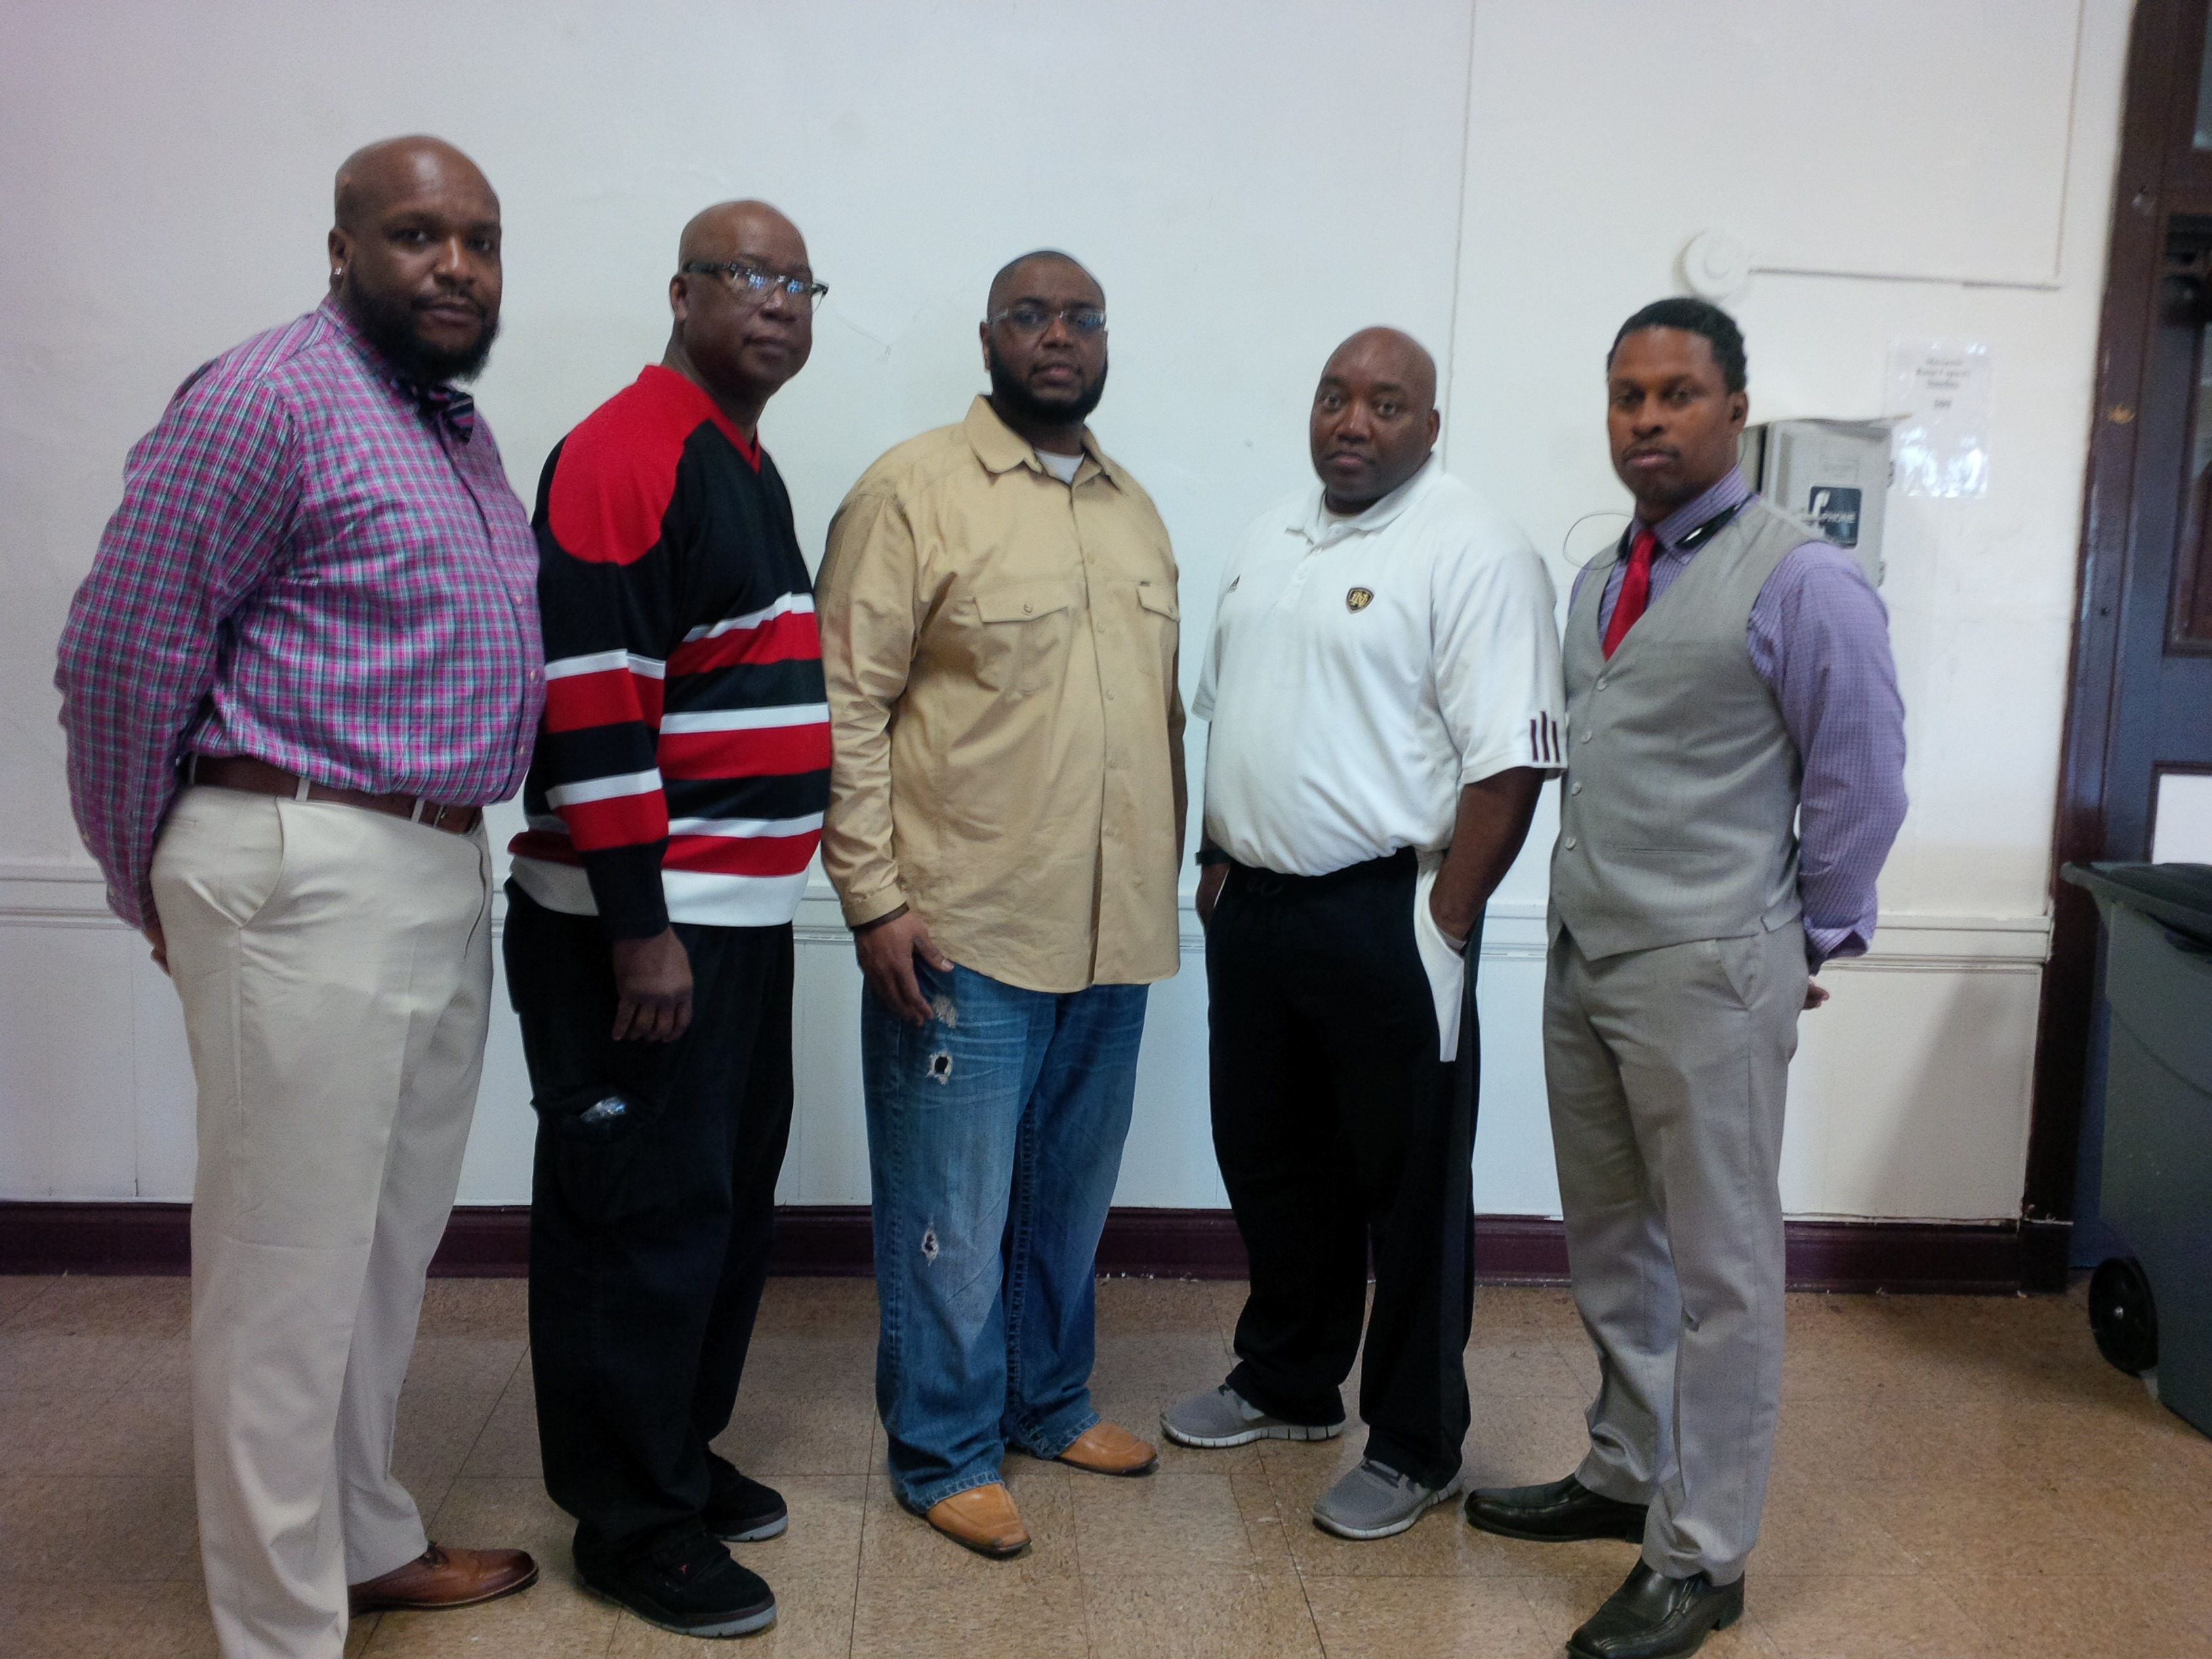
x: 2153, y: 1310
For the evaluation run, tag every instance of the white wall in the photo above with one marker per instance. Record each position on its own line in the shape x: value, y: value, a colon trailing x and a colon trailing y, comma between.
x: 1250, y: 181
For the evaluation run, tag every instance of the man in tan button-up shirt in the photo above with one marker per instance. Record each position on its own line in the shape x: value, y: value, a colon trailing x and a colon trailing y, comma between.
x: 998, y: 633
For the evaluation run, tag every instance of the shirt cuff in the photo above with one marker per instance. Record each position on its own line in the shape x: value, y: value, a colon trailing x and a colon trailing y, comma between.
x: 1825, y: 944
x: 861, y: 909
x: 139, y: 912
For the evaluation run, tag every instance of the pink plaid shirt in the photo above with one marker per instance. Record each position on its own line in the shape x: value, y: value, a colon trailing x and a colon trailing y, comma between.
x: 308, y: 570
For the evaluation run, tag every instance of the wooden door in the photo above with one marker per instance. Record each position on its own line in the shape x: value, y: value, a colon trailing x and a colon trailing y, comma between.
x: 2140, y: 702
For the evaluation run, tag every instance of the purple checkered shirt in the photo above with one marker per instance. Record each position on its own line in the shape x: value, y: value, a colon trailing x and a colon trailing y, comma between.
x: 309, y: 569
x: 1819, y: 636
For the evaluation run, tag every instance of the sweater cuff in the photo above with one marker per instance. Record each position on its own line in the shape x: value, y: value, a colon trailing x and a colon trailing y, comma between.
x: 626, y: 887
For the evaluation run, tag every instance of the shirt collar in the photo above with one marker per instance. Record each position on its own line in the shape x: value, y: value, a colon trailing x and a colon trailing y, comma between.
x: 1001, y: 449
x: 335, y: 314
x: 440, y: 405
x: 348, y: 330
x: 682, y: 388
x: 1320, y: 527
x: 1730, y: 491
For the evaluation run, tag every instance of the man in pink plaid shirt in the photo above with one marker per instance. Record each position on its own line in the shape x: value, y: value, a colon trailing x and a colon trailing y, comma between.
x: 306, y: 656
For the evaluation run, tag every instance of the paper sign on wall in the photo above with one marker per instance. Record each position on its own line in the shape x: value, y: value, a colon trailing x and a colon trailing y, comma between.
x: 1939, y: 396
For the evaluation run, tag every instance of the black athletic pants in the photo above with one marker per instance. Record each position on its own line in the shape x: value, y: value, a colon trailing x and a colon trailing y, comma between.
x: 1339, y: 1129
x: 649, y: 1224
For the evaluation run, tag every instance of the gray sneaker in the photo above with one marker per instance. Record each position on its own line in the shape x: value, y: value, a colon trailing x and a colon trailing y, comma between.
x: 1375, y: 1501
x: 1223, y: 1417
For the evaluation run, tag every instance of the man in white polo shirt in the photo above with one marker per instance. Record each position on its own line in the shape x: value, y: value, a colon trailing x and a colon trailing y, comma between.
x: 1383, y: 689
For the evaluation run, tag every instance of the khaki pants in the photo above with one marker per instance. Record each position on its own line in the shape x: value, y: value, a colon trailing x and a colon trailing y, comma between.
x: 1667, y: 1071
x: 335, y: 967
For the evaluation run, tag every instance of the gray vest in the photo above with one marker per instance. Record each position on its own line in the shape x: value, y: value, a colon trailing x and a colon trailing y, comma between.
x: 1679, y: 809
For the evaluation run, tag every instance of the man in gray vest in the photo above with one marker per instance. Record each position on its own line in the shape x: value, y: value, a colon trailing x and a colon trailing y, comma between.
x: 1735, y: 754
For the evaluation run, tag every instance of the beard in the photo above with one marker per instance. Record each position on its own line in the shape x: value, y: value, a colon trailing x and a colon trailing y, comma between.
x: 389, y: 323
x: 1010, y: 393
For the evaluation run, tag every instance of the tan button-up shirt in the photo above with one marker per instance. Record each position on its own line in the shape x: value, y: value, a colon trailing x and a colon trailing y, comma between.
x: 1000, y: 653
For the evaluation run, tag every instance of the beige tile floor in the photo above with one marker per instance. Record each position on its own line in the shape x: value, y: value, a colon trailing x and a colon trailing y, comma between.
x: 1954, y: 1477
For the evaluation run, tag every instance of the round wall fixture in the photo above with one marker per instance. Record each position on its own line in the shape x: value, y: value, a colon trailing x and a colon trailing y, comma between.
x: 1715, y: 266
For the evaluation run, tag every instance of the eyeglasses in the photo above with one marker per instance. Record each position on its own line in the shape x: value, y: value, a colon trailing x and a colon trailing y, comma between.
x: 754, y: 285
x: 1034, y: 319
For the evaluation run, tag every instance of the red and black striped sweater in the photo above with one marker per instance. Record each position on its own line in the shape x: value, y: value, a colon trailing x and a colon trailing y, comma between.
x: 683, y: 764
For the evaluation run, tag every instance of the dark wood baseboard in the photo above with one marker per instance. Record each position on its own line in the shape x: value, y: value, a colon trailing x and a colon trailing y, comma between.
x: 125, y: 1237
x: 823, y: 1241
x: 1929, y: 1257
x: 2046, y: 1254
x: 492, y: 1241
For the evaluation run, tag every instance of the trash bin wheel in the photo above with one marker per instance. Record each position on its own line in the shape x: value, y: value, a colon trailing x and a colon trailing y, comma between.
x: 2122, y: 1315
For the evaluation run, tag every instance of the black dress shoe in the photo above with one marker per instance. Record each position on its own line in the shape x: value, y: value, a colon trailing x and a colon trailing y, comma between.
x: 1559, y: 1513
x: 1654, y: 1617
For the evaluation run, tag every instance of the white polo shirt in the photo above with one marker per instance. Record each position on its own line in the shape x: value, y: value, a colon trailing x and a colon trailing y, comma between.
x: 1364, y: 671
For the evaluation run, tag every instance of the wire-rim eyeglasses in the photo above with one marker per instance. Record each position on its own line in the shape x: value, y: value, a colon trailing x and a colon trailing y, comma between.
x: 1027, y: 319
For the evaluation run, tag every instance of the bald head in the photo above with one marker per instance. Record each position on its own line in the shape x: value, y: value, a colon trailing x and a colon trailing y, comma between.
x: 1007, y: 286
x: 1374, y: 417
x: 376, y: 175
x: 415, y: 256
x: 1392, y: 356
x: 740, y: 230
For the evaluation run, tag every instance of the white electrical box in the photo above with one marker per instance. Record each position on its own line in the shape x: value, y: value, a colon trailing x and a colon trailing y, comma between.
x: 1834, y: 475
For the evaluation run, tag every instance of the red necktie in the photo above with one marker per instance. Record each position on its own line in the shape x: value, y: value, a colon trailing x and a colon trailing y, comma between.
x: 1635, y: 591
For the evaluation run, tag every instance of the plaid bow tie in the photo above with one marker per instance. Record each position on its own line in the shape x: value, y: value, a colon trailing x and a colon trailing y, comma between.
x: 443, y: 405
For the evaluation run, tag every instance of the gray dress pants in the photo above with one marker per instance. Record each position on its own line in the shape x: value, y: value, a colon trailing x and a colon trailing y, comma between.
x: 1666, y: 1070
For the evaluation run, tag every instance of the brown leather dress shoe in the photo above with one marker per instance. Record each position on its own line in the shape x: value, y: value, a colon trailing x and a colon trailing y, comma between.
x: 443, y: 1577
x: 984, y: 1519
x: 1108, y: 1449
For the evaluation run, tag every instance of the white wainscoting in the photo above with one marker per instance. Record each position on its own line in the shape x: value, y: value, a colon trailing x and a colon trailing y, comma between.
x: 1910, y: 1096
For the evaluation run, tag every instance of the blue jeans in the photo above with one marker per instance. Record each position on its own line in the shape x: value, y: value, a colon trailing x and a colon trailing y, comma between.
x: 995, y: 1138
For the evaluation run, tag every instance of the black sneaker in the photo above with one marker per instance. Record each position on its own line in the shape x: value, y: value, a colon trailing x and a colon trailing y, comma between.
x: 744, y: 1511
x: 691, y: 1586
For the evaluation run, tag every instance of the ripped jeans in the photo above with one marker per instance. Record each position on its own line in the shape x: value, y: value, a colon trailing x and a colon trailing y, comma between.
x: 995, y: 1137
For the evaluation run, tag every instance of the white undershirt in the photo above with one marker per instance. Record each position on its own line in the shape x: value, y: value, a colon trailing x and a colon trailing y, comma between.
x: 1061, y: 467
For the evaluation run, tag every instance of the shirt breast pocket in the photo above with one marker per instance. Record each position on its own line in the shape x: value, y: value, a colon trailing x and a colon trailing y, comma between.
x: 1157, y: 621
x: 1026, y: 629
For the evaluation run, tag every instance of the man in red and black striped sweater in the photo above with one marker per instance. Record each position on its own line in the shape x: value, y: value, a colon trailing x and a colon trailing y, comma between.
x: 675, y: 802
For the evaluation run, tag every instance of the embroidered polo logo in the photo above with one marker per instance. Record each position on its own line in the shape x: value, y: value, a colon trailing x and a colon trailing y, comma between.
x: 1359, y: 599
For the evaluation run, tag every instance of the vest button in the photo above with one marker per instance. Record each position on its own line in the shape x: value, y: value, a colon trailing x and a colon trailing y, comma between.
x: 1586, y: 737
x: 1570, y: 843
x: 1573, y: 789
x: 1601, y: 685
